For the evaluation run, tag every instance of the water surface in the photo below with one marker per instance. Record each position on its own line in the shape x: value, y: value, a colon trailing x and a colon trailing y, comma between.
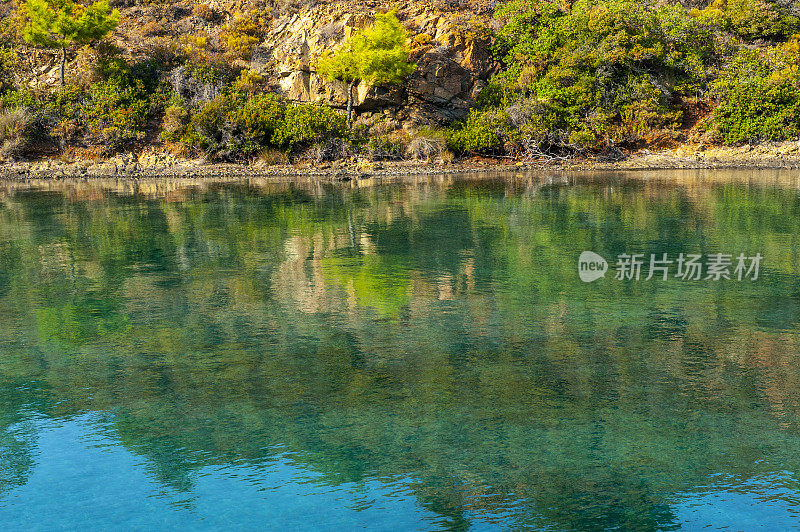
x: 409, y: 355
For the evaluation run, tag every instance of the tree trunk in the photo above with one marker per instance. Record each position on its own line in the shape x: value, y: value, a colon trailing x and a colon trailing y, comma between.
x: 350, y: 104
x: 63, y: 62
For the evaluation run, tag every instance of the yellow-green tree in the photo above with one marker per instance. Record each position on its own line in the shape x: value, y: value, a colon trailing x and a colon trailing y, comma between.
x: 376, y: 55
x: 61, y: 23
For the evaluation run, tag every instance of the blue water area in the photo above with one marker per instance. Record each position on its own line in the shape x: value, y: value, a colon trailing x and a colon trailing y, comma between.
x: 85, y: 479
x: 407, y: 355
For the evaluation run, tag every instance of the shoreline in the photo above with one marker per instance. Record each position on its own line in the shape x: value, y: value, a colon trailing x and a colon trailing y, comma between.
x: 783, y: 155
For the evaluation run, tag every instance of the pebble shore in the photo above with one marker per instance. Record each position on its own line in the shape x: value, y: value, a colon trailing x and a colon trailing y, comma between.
x: 768, y: 155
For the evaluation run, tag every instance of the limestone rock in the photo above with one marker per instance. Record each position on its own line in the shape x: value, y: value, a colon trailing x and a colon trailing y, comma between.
x: 451, y: 71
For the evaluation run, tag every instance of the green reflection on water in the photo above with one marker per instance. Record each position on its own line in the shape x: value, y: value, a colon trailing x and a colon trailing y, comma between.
x: 429, y: 331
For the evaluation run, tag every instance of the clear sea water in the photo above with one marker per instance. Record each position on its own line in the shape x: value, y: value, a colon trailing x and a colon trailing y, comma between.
x: 407, y: 355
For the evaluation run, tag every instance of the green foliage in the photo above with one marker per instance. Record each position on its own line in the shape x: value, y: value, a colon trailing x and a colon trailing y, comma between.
x: 20, y: 98
x: 176, y: 118
x: 306, y: 124
x: 8, y: 64
x: 117, y: 109
x: 481, y: 132
x: 751, y: 19
x: 60, y: 23
x: 10, y: 59
x: 593, y: 68
x: 109, y: 112
x: 236, y: 124
x: 760, y: 95
x: 377, y: 55
x: 242, y: 122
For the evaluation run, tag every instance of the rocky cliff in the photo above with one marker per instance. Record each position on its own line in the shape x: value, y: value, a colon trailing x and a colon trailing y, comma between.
x: 451, y: 50
x: 450, y: 45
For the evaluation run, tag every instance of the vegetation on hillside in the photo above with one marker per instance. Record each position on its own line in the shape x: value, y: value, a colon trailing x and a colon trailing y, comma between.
x: 61, y: 23
x: 576, y: 77
x: 598, y: 74
x: 376, y: 56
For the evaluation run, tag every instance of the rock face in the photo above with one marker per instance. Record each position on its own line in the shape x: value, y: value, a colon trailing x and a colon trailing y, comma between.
x: 451, y: 50
x: 451, y: 53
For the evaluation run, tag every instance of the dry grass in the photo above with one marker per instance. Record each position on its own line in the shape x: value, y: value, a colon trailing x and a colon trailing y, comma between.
x: 272, y: 157
x: 429, y: 149
x: 328, y: 151
x: 15, y: 127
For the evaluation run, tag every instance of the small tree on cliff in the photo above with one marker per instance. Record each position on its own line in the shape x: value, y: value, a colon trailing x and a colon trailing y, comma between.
x: 61, y: 23
x: 375, y: 55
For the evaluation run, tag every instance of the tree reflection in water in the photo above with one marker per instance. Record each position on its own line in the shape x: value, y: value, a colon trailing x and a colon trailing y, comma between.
x: 435, y: 332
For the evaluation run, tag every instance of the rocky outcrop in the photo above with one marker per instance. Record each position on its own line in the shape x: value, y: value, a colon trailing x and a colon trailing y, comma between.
x: 452, y: 53
x: 451, y: 50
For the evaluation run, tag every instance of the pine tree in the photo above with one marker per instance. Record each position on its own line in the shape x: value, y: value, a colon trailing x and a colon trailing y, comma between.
x: 376, y: 55
x: 61, y: 23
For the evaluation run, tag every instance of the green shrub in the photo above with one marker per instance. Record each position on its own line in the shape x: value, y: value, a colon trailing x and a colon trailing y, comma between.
x: 9, y: 62
x: 236, y: 124
x: 751, y: 19
x: 211, y: 130
x: 111, y: 112
x: 173, y: 126
x: 759, y: 95
x: 481, y: 132
x: 240, y: 123
x: 759, y: 110
x: 112, y: 104
x: 306, y: 124
x: 609, y: 72
x: 19, y: 98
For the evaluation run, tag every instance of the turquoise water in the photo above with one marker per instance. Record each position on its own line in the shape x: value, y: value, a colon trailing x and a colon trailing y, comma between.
x: 417, y: 355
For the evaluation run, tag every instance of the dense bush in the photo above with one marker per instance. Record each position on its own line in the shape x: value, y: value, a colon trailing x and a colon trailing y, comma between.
x: 242, y: 121
x: 306, y: 124
x: 482, y: 132
x: 9, y: 55
x: 595, y: 72
x: 751, y: 19
x: 110, y: 112
x: 8, y: 64
x: 116, y: 109
x: 236, y: 124
x: 760, y: 95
